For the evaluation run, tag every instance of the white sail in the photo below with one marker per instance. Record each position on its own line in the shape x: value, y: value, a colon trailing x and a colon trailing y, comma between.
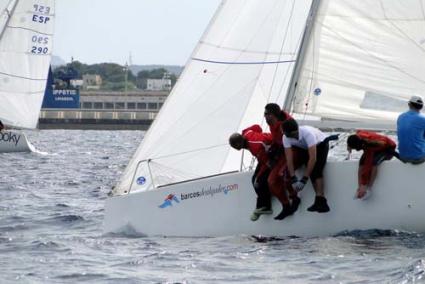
x: 25, y: 51
x: 363, y: 61
x: 243, y: 61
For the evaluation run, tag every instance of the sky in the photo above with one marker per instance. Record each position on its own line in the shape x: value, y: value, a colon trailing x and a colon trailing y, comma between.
x: 152, y: 31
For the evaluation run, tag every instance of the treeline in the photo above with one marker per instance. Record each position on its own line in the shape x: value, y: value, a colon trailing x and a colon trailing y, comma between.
x: 115, y: 77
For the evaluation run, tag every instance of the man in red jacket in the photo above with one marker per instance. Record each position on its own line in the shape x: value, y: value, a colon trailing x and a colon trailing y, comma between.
x: 279, y: 179
x: 376, y: 149
x: 258, y: 143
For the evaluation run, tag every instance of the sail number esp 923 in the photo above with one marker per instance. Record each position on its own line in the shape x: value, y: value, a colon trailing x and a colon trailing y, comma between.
x: 40, y: 42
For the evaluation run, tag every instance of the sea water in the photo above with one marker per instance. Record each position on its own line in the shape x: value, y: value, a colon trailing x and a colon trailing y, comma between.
x: 51, y: 214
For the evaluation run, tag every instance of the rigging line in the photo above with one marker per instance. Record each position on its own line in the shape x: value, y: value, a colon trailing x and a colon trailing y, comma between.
x: 263, y: 91
x: 176, y: 121
x: 243, y: 63
x: 31, y: 30
x: 228, y: 68
x: 406, y: 36
x: 282, y: 45
x: 188, y: 152
x: 288, y: 71
x: 228, y: 65
x: 22, y: 77
x: 313, y: 54
x: 387, y: 63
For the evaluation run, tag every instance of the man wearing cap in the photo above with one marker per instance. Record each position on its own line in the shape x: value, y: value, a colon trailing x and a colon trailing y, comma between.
x: 411, y: 132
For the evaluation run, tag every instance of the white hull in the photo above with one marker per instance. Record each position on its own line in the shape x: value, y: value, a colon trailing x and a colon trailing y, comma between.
x: 397, y: 202
x: 14, y: 141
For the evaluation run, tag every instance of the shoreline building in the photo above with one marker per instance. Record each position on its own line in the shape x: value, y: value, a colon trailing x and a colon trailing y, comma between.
x: 71, y: 103
x: 105, y: 110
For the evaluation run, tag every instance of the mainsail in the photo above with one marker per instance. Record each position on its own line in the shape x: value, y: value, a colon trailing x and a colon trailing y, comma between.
x: 26, y: 29
x: 363, y: 61
x: 243, y: 61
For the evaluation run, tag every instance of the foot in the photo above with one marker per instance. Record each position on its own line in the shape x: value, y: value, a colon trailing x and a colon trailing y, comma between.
x: 254, y: 216
x: 295, y: 203
x: 286, y: 211
x: 263, y: 210
x: 320, y: 205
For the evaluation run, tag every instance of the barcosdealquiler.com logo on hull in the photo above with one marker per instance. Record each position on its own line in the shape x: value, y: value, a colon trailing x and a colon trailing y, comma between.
x: 209, y: 192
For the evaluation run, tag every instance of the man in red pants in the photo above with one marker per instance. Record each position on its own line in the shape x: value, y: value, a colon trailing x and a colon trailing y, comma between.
x: 258, y: 143
x: 278, y: 180
x: 376, y: 149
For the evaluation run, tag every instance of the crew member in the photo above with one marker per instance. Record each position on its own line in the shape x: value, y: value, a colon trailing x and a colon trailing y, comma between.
x: 411, y: 132
x: 279, y: 182
x: 258, y: 143
x: 376, y: 149
x: 314, y: 147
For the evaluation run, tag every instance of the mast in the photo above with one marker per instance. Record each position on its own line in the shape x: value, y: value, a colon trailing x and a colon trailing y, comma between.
x: 8, y: 11
x: 301, y: 55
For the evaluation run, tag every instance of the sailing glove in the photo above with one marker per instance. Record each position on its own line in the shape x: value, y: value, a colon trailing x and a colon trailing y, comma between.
x: 298, y: 185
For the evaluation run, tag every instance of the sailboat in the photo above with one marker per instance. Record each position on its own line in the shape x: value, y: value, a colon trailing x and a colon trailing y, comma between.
x: 333, y: 63
x: 26, y: 31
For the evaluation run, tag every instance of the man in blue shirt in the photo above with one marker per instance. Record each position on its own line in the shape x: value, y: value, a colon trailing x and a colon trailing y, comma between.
x: 411, y: 132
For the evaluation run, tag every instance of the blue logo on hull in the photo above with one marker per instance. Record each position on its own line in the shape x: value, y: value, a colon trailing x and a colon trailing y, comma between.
x: 169, y: 201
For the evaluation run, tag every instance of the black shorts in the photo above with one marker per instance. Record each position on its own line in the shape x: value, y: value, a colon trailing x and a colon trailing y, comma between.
x: 322, y: 150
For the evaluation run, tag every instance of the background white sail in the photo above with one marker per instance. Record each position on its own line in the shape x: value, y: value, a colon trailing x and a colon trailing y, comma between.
x: 26, y: 29
x: 364, y: 60
x: 243, y: 61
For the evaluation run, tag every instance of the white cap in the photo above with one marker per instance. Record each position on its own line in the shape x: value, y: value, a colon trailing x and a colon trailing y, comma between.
x: 416, y: 100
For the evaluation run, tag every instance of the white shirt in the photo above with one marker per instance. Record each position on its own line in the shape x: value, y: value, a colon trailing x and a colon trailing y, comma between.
x: 307, y: 136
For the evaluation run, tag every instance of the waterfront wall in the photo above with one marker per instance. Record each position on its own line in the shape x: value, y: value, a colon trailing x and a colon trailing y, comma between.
x: 95, y: 119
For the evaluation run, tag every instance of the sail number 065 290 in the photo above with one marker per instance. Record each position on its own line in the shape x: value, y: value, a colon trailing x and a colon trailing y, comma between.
x: 39, y: 40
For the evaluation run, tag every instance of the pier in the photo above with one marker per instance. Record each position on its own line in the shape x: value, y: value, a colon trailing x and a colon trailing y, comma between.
x: 106, y: 111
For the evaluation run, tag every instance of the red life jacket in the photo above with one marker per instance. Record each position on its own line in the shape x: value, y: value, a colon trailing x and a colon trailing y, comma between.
x: 370, y: 136
x: 369, y: 150
x: 258, y: 142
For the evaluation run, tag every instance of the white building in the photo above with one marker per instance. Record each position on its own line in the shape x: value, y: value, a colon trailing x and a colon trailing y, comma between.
x: 158, y: 84
x: 92, y: 81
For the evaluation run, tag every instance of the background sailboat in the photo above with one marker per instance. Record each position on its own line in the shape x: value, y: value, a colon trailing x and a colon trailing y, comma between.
x: 353, y: 59
x: 26, y: 30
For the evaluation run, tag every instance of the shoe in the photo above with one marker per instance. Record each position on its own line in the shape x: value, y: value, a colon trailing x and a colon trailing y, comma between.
x: 254, y: 216
x: 284, y: 213
x: 320, y: 205
x: 263, y: 210
x: 295, y: 203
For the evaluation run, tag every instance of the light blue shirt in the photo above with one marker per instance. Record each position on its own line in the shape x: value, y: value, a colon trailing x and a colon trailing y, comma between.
x: 411, y: 135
